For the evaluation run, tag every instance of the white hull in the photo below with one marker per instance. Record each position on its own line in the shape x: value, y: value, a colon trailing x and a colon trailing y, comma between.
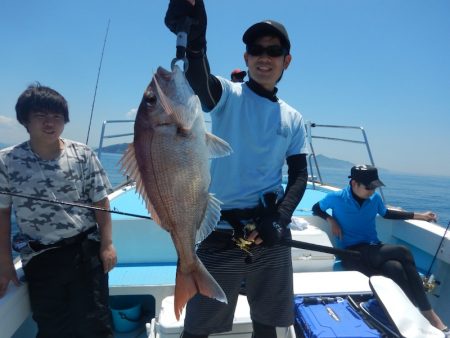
x: 141, y: 244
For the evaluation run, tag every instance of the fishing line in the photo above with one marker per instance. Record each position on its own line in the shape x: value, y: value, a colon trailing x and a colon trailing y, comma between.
x: 96, y: 83
x: 73, y: 204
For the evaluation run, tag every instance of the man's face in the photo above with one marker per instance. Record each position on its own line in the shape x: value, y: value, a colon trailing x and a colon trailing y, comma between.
x: 361, y: 190
x: 45, y: 126
x: 263, y: 68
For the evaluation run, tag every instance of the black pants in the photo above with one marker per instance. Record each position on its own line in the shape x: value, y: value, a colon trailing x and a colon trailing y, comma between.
x: 395, y: 262
x: 69, y: 292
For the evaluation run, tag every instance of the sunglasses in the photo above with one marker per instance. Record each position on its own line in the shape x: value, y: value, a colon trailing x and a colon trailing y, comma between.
x: 368, y: 188
x: 272, y: 51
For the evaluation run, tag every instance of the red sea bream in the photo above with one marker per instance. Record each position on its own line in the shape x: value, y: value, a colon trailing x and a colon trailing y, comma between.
x: 169, y: 160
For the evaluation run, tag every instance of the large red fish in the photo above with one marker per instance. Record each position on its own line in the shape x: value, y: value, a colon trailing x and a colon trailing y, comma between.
x: 169, y: 160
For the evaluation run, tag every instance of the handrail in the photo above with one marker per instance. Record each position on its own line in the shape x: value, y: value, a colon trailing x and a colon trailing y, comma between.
x: 103, y: 136
x: 310, y: 136
x: 311, y: 125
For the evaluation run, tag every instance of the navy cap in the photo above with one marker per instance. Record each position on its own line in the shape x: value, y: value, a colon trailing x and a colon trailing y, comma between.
x: 264, y: 28
x: 367, y: 175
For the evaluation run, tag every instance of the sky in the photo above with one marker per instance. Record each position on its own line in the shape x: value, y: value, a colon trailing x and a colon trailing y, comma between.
x: 383, y: 65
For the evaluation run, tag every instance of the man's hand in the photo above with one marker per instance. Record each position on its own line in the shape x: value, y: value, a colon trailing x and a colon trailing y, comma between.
x: 176, y: 14
x: 270, y: 229
x: 335, y: 227
x: 426, y: 216
x: 7, y: 274
x: 108, y: 257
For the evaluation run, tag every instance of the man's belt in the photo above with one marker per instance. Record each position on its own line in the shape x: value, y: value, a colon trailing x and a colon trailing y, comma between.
x: 38, y: 246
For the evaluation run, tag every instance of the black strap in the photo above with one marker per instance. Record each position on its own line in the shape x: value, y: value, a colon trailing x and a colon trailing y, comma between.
x: 38, y: 246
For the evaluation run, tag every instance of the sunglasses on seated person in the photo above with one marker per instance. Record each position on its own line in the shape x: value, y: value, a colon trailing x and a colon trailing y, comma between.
x: 272, y: 51
x: 367, y: 187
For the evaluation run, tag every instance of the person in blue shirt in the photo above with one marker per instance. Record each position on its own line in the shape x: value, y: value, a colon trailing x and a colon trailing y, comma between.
x: 353, y: 223
x: 264, y: 133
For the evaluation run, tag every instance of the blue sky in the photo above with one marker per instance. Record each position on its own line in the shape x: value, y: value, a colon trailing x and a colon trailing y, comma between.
x: 380, y: 64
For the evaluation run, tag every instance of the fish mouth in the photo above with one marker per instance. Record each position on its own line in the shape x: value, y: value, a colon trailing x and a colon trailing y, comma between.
x: 164, y: 73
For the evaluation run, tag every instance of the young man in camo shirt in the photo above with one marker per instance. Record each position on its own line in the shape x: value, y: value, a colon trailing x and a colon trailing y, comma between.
x: 66, y: 251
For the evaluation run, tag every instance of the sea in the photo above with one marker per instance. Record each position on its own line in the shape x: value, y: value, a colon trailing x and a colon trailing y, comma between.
x: 408, y: 191
x: 403, y: 190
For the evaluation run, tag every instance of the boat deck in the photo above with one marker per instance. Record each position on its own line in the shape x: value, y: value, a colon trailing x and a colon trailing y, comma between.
x: 133, y: 204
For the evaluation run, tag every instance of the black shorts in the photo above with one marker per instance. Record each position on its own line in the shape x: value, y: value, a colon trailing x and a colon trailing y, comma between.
x: 69, y: 292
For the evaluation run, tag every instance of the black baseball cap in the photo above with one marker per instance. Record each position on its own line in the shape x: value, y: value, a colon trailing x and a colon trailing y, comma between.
x: 238, y: 73
x: 267, y: 27
x: 367, y: 175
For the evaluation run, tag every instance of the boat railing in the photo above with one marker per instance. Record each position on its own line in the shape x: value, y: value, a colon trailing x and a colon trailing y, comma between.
x: 111, y: 136
x: 312, y: 156
x: 314, y: 170
x: 104, y: 136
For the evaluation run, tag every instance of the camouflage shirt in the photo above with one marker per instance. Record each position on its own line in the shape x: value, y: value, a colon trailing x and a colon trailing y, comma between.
x: 76, y: 175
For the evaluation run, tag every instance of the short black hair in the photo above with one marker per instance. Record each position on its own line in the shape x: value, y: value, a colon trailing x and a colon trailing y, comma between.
x: 40, y: 98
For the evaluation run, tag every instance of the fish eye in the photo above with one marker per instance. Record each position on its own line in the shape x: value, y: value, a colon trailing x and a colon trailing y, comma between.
x: 150, y: 98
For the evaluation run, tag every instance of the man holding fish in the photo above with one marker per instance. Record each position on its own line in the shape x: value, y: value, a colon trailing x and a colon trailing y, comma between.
x: 263, y: 132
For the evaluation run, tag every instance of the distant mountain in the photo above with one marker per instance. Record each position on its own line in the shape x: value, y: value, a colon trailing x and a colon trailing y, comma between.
x: 115, y: 148
x: 329, y: 162
x: 324, y: 161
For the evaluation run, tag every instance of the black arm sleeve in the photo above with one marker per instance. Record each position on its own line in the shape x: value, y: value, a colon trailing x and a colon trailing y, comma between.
x: 296, y: 186
x: 204, y: 84
x: 319, y: 212
x: 398, y: 214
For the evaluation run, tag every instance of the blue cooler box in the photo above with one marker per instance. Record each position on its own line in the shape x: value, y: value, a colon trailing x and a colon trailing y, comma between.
x: 334, y: 317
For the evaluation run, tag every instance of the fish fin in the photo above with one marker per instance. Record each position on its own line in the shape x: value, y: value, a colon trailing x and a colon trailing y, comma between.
x: 216, y: 146
x: 190, y: 111
x: 198, y: 281
x: 210, y: 219
x: 130, y: 168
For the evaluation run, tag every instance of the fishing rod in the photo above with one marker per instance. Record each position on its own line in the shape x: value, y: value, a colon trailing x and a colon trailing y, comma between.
x: 322, y: 248
x: 287, y: 242
x: 429, y: 278
x: 96, y: 83
x: 73, y: 204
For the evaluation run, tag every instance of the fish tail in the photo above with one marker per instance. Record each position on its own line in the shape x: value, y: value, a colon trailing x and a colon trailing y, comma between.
x: 198, y: 281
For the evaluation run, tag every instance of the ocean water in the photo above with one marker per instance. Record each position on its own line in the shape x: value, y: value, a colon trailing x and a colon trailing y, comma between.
x: 410, y: 192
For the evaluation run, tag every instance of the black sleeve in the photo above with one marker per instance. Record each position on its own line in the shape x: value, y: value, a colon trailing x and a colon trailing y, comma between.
x: 319, y: 212
x: 205, y: 85
x: 296, y: 186
x: 398, y: 214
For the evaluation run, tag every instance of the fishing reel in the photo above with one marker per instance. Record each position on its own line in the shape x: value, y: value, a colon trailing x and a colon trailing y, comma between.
x: 242, y: 242
x: 429, y: 283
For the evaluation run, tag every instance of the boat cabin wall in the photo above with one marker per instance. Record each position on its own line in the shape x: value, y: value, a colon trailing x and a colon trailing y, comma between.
x: 139, y: 241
